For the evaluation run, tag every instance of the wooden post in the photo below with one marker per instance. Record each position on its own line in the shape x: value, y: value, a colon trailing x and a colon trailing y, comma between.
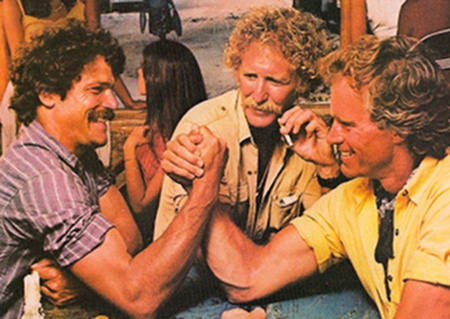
x: 353, y: 20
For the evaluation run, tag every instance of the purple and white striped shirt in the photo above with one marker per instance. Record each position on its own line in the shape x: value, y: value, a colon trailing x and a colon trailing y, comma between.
x: 48, y: 207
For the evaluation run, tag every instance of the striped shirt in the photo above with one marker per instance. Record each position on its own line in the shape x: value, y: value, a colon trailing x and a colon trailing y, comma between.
x: 48, y: 208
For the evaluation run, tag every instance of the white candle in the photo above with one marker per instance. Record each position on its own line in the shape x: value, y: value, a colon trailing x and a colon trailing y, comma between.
x: 32, y: 308
x: 32, y: 290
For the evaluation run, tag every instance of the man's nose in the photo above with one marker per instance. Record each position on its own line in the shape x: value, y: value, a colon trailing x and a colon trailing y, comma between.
x: 260, y: 93
x: 334, y: 135
x: 110, y: 100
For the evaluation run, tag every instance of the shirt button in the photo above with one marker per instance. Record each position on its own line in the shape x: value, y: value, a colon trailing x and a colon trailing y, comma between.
x: 405, y: 192
x: 389, y: 277
x: 397, y: 231
x: 249, y: 172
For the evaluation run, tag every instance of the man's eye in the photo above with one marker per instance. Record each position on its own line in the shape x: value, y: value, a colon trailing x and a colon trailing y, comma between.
x: 278, y: 82
x: 96, y: 90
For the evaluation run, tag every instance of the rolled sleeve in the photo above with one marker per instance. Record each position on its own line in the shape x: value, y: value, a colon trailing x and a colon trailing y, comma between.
x: 310, y: 231
x: 86, y: 235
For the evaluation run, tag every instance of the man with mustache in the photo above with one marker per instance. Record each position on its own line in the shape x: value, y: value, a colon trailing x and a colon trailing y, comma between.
x: 58, y: 202
x: 272, y: 53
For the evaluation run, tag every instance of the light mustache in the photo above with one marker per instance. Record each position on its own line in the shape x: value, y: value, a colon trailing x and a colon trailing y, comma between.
x: 104, y: 114
x: 267, y: 106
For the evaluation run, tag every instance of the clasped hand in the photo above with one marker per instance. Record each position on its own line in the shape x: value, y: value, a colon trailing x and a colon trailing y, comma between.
x: 187, y: 155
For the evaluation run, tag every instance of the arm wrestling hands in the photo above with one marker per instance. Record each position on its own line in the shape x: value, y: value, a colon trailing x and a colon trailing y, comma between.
x: 140, y: 284
x: 234, y: 259
x: 183, y: 162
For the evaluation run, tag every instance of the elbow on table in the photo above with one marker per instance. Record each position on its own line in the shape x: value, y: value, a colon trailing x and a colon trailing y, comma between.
x: 142, y: 310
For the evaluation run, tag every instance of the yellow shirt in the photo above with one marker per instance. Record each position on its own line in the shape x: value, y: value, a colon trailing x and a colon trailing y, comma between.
x: 291, y: 181
x: 344, y: 224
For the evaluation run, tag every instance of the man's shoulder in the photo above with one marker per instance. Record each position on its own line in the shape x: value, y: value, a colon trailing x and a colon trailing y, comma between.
x: 22, y: 162
x: 431, y: 165
x: 212, y: 110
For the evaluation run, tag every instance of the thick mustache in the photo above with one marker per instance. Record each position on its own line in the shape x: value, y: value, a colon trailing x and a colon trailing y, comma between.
x: 267, y: 106
x: 104, y: 114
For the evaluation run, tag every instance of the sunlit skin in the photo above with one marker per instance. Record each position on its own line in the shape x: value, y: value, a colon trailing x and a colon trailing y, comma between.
x: 92, y: 93
x: 364, y: 149
x: 265, y: 76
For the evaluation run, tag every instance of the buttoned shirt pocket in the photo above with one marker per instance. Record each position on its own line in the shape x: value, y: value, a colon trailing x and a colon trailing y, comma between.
x: 283, y: 207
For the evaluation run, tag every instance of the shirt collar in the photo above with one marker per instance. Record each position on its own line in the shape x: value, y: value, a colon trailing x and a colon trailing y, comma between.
x: 244, y: 129
x: 35, y: 134
x: 416, y: 185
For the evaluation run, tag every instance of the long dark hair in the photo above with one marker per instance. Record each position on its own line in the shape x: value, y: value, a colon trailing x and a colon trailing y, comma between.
x: 174, y: 83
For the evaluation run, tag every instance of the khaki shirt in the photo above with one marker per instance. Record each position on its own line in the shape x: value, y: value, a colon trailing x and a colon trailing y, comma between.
x: 291, y: 182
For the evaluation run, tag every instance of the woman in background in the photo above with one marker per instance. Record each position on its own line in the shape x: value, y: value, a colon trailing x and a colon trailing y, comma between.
x: 172, y: 81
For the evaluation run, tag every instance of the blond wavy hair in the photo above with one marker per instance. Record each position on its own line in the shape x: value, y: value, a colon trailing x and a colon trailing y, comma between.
x: 302, y: 38
x: 407, y: 89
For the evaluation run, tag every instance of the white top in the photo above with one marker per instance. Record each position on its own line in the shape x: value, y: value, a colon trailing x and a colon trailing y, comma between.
x: 383, y: 16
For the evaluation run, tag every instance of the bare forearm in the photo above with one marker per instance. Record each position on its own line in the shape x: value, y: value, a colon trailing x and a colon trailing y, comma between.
x: 164, y: 264
x: 424, y: 300
x: 250, y: 272
x: 228, y: 251
x: 141, y: 284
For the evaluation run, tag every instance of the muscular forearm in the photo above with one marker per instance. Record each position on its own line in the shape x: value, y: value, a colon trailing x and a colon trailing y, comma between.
x: 250, y: 272
x: 141, y: 284
x: 175, y: 250
x: 229, y: 254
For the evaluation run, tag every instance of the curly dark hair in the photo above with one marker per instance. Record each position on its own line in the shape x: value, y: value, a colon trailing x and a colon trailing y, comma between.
x: 302, y: 38
x: 407, y: 90
x: 54, y: 61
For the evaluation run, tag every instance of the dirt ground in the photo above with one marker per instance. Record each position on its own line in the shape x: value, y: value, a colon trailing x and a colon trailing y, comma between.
x: 206, y: 26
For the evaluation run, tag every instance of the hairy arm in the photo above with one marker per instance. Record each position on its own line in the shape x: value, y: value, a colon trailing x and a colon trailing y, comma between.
x: 141, y: 284
x: 248, y: 271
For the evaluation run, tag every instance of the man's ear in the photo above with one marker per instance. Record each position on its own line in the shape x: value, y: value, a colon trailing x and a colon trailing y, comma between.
x: 141, y: 82
x: 397, y: 138
x: 48, y: 99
